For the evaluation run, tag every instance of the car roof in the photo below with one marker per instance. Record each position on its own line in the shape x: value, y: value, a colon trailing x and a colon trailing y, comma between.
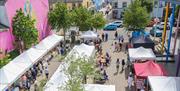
x: 118, y: 21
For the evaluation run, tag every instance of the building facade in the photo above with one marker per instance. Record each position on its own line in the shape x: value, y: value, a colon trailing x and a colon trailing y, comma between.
x: 71, y: 4
x: 118, y: 7
x: 38, y: 9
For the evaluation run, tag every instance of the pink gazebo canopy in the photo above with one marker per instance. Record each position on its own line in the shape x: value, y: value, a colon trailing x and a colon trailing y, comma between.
x: 149, y: 68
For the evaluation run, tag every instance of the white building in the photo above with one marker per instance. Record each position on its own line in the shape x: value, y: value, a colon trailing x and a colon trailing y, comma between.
x: 118, y: 7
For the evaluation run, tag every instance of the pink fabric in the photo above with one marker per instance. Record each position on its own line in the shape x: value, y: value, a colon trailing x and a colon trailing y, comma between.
x: 39, y: 9
x: 149, y: 68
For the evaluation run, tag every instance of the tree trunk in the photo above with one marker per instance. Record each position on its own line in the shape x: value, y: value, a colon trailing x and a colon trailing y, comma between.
x: 64, y: 31
x: 85, y: 79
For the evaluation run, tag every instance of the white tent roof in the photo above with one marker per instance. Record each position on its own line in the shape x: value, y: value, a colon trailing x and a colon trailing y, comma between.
x: 89, y: 35
x: 59, y: 78
x: 162, y: 83
x: 141, y: 53
x: 18, y: 66
x: 98, y: 87
x: 49, y: 42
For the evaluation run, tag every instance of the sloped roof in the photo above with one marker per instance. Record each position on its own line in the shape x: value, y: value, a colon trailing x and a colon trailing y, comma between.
x: 4, y: 22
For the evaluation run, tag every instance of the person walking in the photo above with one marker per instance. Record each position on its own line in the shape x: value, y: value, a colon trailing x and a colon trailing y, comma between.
x: 116, y: 35
x: 123, y: 64
x: 106, y: 37
x: 117, y: 65
x: 115, y: 47
x: 120, y: 46
x: 105, y: 75
x: 102, y: 36
x: 122, y: 39
x: 46, y: 72
x: 130, y: 80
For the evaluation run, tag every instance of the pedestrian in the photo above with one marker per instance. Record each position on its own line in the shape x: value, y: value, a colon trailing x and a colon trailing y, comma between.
x: 28, y: 84
x: 115, y: 47
x: 116, y: 35
x: 36, y: 86
x: 117, y: 64
x: 119, y: 38
x: 126, y: 48
x: 106, y: 37
x: 105, y: 75
x: 46, y: 72
x: 102, y: 36
x: 130, y: 80
x: 122, y: 40
x: 123, y: 64
x: 120, y: 46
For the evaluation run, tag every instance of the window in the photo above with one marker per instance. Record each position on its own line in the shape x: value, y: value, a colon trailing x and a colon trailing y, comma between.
x: 73, y: 5
x: 124, y: 4
x: 79, y: 4
x: 115, y: 5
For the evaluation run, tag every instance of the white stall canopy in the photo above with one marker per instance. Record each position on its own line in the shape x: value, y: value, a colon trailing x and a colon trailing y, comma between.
x: 89, y: 35
x: 18, y: 66
x: 162, y: 83
x: 98, y: 87
x: 141, y: 53
x: 59, y: 78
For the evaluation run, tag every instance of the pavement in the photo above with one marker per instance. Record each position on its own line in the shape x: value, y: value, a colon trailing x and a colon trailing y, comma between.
x: 119, y: 79
x: 54, y: 64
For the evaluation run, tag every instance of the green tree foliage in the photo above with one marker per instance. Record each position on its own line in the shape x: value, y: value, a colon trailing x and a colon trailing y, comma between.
x: 148, y: 4
x: 82, y: 18
x: 60, y: 18
x: 77, y: 73
x: 98, y: 21
x: 135, y: 16
x: 24, y: 29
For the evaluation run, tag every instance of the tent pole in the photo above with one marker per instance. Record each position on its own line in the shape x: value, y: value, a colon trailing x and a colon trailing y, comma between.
x: 171, y: 29
x: 165, y: 26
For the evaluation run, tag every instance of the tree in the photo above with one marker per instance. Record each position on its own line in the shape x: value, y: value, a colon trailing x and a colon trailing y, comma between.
x: 135, y: 16
x: 24, y: 30
x: 98, y: 21
x: 148, y: 4
x: 60, y: 18
x: 82, y: 18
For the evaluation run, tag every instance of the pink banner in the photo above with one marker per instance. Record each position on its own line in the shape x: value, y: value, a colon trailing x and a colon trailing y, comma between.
x: 37, y: 9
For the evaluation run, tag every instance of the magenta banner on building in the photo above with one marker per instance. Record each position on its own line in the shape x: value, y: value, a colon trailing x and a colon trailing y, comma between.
x: 37, y: 9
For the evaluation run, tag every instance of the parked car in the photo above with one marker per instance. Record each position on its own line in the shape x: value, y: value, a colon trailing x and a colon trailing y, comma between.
x: 156, y: 31
x: 118, y: 23
x: 161, y: 26
x: 110, y: 27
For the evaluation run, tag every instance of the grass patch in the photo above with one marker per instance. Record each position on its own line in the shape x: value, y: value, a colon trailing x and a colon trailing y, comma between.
x: 10, y: 56
x: 42, y: 84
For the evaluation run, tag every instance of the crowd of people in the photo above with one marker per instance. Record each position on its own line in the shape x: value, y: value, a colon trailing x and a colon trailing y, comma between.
x: 29, y: 78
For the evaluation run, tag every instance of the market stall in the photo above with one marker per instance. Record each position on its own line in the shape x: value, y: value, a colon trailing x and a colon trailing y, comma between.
x: 89, y: 35
x: 98, y: 87
x: 143, y: 70
x: 164, y: 83
x: 59, y: 78
x: 141, y: 53
x: 18, y: 66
